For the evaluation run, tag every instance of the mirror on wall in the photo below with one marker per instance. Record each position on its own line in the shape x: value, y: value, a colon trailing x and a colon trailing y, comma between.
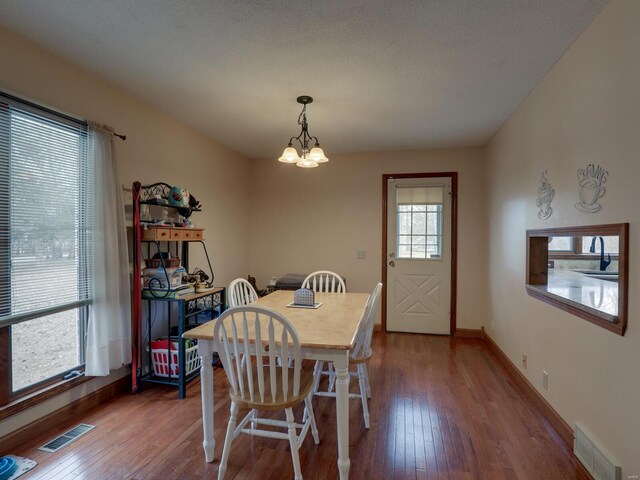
x: 582, y: 270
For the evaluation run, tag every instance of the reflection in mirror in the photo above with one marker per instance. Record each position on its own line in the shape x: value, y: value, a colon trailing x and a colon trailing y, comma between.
x: 581, y: 270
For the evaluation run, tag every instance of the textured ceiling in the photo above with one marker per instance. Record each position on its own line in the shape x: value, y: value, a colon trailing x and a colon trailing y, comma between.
x: 385, y: 75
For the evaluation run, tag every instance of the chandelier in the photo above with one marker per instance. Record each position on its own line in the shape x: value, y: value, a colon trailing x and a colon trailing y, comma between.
x: 309, y: 158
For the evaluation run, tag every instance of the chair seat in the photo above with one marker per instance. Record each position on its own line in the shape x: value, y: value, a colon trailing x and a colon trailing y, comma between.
x: 306, y: 383
x: 361, y: 359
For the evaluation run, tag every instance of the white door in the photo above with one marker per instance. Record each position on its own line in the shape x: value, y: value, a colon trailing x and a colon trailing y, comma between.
x: 419, y: 255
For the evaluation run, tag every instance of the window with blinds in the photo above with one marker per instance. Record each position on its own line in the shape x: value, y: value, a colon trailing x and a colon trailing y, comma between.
x: 46, y: 210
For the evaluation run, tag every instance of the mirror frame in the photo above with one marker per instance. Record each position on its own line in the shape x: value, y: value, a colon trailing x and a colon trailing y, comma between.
x: 537, y: 270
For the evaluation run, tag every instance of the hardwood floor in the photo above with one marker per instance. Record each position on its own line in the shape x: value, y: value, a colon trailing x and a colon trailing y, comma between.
x: 442, y: 409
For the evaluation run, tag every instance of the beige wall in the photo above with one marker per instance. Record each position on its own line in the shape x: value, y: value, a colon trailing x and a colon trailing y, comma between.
x: 306, y: 220
x: 268, y: 219
x: 157, y: 149
x: 586, y: 110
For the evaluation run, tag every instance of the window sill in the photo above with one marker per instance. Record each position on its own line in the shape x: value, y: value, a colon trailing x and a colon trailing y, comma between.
x: 40, y: 396
x: 606, y: 321
x: 577, y: 256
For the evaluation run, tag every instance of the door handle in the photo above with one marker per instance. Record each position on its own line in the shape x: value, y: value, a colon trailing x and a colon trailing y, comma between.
x: 392, y: 263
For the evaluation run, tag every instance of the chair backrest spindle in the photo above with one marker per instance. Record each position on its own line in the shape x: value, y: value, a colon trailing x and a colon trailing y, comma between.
x: 259, y: 357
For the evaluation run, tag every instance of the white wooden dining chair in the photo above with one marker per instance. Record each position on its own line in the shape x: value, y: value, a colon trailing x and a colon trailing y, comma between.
x: 261, y: 336
x: 241, y: 293
x: 359, y: 356
x: 325, y: 281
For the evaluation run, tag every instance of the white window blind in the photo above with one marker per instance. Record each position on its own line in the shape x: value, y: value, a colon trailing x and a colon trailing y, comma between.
x: 431, y: 195
x: 46, y: 212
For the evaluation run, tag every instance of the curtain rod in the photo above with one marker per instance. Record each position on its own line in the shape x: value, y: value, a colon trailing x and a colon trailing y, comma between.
x: 64, y: 115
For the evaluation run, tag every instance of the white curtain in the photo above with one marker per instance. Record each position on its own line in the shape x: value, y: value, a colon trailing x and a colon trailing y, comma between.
x: 109, y: 328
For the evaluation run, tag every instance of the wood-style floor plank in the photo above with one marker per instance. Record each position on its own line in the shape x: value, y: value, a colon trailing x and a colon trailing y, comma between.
x: 442, y: 409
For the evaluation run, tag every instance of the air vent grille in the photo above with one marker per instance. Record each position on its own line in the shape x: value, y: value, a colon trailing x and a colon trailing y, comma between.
x: 66, y: 438
x: 591, y: 454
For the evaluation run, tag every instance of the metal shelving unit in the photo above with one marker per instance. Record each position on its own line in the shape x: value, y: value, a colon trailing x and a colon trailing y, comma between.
x: 192, y: 309
x: 189, y: 308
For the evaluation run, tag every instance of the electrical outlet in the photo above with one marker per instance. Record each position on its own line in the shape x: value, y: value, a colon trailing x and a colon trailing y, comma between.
x: 524, y: 361
x: 362, y: 254
x: 545, y: 380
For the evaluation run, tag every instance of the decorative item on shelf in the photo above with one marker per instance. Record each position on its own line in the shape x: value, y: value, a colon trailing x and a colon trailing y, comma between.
x: 309, y: 158
x: 202, y: 287
x: 178, y: 197
x: 193, y: 205
x: 545, y: 197
x: 591, y: 188
x: 198, y: 277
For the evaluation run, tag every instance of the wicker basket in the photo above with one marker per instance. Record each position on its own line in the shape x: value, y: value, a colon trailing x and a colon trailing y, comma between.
x: 157, y: 262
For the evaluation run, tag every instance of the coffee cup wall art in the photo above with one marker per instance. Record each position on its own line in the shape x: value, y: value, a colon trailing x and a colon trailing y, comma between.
x: 545, y: 197
x: 591, y: 188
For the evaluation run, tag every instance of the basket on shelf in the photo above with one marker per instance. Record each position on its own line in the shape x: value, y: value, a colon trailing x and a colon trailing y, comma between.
x: 160, y: 360
x: 157, y: 262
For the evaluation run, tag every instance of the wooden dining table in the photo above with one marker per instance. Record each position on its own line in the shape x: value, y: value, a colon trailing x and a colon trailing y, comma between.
x: 327, y: 333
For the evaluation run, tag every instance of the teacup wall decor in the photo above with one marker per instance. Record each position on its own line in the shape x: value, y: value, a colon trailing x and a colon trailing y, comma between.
x: 545, y: 197
x: 591, y: 188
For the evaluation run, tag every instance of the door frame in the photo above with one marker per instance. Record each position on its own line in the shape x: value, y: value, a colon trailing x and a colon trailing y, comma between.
x: 454, y: 239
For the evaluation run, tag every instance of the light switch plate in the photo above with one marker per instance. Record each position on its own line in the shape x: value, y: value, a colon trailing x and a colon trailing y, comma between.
x: 362, y: 254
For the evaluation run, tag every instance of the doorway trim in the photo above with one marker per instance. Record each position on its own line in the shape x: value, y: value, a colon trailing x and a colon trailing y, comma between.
x: 454, y: 240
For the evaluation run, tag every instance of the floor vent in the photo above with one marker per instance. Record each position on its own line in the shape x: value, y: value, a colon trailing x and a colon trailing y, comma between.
x: 66, y: 438
x: 593, y: 456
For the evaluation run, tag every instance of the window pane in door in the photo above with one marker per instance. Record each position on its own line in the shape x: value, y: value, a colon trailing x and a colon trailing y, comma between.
x: 433, y: 221
x: 419, y: 229
x: 404, y: 223
x: 404, y: 239
x: 419, y: 223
